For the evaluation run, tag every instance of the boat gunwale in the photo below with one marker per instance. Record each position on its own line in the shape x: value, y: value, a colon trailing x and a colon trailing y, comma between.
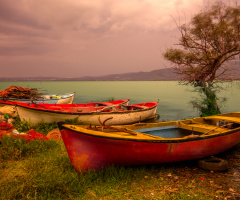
x: 55, y: 104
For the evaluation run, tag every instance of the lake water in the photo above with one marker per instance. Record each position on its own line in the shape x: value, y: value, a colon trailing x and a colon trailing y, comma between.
x: 173, y: 98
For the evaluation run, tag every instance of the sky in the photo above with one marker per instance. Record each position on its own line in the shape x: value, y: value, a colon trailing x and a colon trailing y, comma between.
x: 75, y: 38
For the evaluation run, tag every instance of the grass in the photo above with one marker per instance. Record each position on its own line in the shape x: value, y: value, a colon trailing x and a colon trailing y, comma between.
x: 42, y: 170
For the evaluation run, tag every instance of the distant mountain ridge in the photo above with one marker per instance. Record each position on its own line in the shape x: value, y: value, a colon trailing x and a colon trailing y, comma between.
x: 165, y: 74
x: 155, y: 75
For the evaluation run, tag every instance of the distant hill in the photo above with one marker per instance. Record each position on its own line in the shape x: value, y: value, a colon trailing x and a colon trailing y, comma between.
x: 165, y: 74
x: 156, y: 75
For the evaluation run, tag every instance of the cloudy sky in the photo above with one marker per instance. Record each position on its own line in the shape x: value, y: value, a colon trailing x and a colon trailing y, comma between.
x: 74, y: 38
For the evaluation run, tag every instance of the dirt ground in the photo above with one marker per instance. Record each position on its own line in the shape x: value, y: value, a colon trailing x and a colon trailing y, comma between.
x: 227, y: 182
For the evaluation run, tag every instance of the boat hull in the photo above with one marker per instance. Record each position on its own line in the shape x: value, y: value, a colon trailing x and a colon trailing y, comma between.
x: 89, y: 152
x: 65, y: 99
x: 124, y: 117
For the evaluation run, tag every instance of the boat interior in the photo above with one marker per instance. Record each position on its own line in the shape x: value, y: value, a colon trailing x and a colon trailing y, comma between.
x: 201, y: 126
x: 89, y: 109
x: 190, y: 128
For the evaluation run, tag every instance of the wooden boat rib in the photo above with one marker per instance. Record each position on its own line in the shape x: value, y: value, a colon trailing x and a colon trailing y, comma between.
x: 150, y: 143
x: 119, y: 114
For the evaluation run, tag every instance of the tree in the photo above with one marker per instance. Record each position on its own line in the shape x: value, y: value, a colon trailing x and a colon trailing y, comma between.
x: 210, y: 40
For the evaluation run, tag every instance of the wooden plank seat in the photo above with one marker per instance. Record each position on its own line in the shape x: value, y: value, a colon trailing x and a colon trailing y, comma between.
x: 201, y: 127
x: 224, y: 118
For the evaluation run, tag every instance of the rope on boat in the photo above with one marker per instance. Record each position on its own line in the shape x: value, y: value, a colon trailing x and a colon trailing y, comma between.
x: 115, y: 128
x: 35, y: 105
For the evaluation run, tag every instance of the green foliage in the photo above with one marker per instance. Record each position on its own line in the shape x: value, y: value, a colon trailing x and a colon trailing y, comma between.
x: 74, y: 121
x: 43, y: 128
x: 179, y: 55
x: 205, y: 107
x: 109, y: 99
x: 22, y: 126
x: 208, y: 103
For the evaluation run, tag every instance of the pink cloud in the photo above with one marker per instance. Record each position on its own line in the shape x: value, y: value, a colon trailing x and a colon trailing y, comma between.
x: 88, y: 37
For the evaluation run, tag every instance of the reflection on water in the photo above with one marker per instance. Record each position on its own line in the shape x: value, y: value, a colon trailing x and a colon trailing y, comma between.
x: 173, y: 98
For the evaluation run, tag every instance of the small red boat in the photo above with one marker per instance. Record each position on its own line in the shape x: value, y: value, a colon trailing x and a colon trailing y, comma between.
x: 118, y: 111
x: 35, y: 112
x: 96, y: 147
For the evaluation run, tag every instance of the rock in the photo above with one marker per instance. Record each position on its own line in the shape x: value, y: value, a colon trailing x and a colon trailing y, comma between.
x: 8, y: 110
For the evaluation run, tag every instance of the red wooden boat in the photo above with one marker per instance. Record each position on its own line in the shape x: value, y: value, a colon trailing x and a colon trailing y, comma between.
x: 35, y: 112
x: 151, y: 143
x: 89, y: 113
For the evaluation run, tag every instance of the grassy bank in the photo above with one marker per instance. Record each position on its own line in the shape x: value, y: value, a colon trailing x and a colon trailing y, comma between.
x: 42, y: 170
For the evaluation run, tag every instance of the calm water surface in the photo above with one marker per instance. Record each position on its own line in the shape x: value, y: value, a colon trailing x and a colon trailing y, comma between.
x: 173, y: 98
